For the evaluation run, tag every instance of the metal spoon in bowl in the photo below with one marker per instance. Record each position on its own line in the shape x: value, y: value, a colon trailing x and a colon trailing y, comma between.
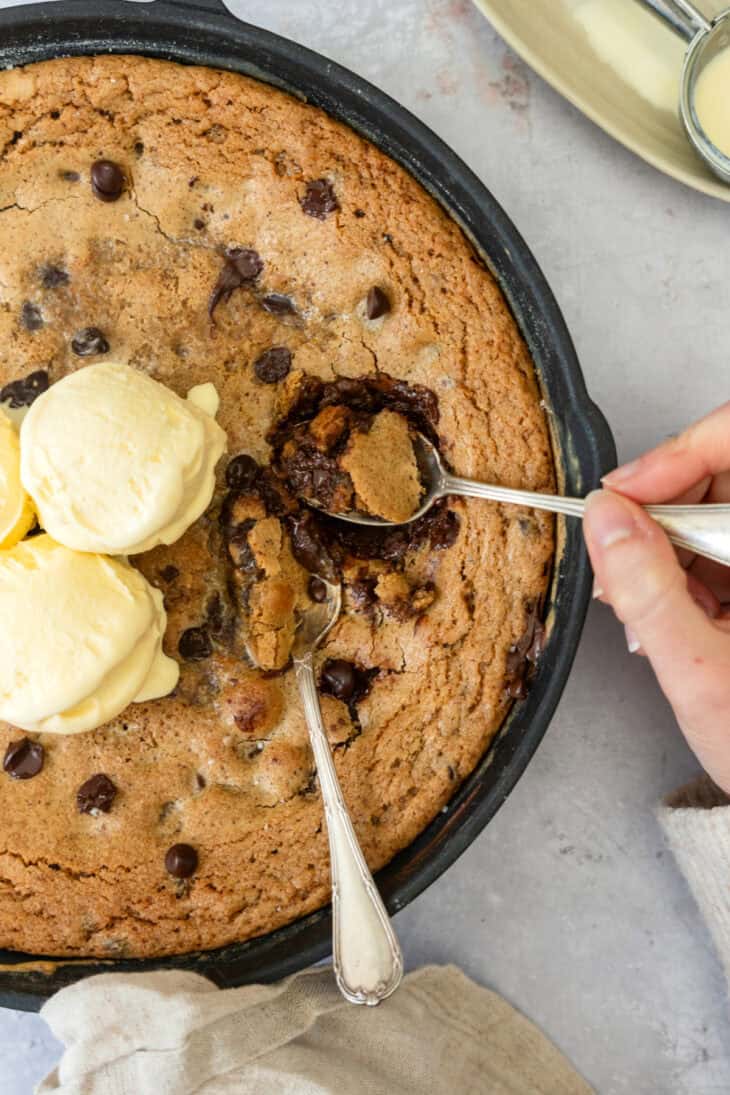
x: 703, y: 529
x: 367, y: 959
x: 706, y: 38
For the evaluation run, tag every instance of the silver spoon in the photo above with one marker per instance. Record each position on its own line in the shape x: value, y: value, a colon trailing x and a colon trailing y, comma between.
x: 703, y: 529
x: 367, y: 958
x: 706, y: 38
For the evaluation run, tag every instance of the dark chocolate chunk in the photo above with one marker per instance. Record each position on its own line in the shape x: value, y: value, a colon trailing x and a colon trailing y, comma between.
x: 139, y: 148
x: 70, y: 176
x: 169, y: 573
x: 53, y: 276
x: 344, y: 681
x: 359, y: 213
x: 242, y: 472
x: 273, y: 364
x: 107, y: 180
x: 319, y: 199
x: 181, y: 861
x: 273, y: 494
x: 96, y: 795
x: 195, y: 645
x: 377, y: 303
x: 278, y: 304
x: 199, y: 224
x: 309, y: 547
x: 30, y: 316
x: 89, y: 342
x: 316, y: 477
x: 441, y: 526
x: 317, y: 590
x: 241, y: 267
x: 523, y: 656
x: 23, y: 759
x: 23, y: 392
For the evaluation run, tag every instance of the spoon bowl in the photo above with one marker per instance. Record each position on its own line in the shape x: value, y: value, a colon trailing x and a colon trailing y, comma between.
x: 703, y: 529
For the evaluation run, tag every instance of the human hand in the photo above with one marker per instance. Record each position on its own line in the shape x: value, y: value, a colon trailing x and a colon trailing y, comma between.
x: 676, y: 610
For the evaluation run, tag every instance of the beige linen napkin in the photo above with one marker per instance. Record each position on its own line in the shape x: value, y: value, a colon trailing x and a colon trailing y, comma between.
x: 174, y: 1033
x: 696, y: 821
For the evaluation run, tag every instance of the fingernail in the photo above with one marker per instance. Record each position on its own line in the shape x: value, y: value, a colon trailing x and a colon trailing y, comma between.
x: 625, y: 471
x: 608, y: 519
x: 597, y: 591
x: 631, y: 641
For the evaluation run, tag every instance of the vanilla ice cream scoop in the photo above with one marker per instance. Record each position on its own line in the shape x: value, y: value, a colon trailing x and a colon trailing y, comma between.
x: 80, y: 638
x: 16, y: 509
x: 116, y: 462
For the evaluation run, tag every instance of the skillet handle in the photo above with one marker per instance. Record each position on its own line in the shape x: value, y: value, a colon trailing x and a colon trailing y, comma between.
x: 215, y: 6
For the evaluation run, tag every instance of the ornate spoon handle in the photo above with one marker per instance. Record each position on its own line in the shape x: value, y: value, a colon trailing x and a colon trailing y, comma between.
x: 367, y: 958
x: 704, y: 529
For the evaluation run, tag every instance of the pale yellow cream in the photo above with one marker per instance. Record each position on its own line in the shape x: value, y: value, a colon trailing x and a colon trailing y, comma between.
x: 712, y: 100
x: 117, y: 463
x: 80, y: 638
x: 17, y: 515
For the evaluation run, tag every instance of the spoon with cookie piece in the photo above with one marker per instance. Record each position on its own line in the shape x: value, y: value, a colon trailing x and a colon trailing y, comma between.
x: 407, y: 481
x: 367, y: 959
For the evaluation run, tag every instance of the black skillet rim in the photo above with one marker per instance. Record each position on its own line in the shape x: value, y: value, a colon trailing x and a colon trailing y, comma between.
x: 204, y: 32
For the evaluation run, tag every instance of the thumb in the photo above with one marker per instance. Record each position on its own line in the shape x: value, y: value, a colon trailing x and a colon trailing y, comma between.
x: 639, y: 575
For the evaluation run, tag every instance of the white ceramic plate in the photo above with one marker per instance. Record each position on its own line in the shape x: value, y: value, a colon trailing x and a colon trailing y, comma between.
x: 550, y: 37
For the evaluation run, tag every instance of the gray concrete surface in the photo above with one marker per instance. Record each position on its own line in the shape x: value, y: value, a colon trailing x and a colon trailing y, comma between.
x: 569, y: 904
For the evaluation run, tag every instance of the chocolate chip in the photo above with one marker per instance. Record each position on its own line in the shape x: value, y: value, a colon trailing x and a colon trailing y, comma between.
x: 96, y: 795
x: 338, y: 679
x: 89, y: 342
x: 317, y: 590
x: 277, y: 304
x: 273, y: 365
x: 242, y: 266
x: 195, y: 644
x: 107, y: 180
x: 181, y: 861
x: 70, y: 176
x: 169, y: 573
x: 139, y: 148
x: 23, y: 759
x: 377, y: 303
x: 21, y: 393
x: 30, y: 316
x: 359, y: 213
x: 199, y: 224
x: 319, y: 199
x: 344, y: 681
x: 241, y: 472
x: 53, y: 276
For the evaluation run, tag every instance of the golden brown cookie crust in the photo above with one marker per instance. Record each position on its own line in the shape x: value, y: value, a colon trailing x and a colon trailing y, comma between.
x: 215, y: 160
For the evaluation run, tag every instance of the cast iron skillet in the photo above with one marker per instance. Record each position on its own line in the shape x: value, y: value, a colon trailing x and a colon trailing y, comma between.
x: 204, y: 32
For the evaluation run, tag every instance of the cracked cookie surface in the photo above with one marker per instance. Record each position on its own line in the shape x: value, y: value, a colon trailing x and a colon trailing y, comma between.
x: 248, y: 240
